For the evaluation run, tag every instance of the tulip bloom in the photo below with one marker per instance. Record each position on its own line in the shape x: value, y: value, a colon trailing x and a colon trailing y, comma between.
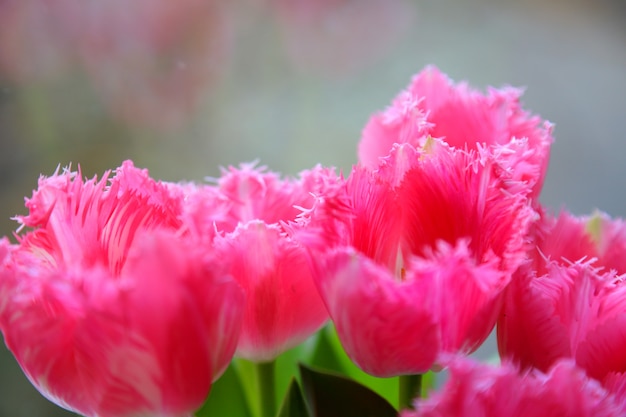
x: 434, y: 106
x: 569, y: 299
x: 422, y: 250
x: 109, y: 311
x: 480, y: 390
x: 252, y: 216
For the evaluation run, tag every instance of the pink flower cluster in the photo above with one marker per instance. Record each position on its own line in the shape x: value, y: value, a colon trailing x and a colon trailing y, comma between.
x: 144, y: 290
x: 130, y: 296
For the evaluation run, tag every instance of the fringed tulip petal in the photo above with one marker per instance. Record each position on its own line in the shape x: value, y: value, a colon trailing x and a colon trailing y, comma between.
x: 433, y: 106
x: 382, y: 325
x: 107, y: 307
x: 253, y: 217
x: 568, y: 300
x: 480, y: 390
x: 283, y: 307
x: 461, y: 296
x: 448, y: 229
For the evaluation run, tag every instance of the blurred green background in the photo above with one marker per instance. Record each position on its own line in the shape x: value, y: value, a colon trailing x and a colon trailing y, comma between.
x: 185, y: 87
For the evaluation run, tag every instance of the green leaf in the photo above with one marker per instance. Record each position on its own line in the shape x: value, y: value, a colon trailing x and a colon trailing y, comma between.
x: 286, y: 368
x: 330, y: 395
x: 330, y: 355
x: 293, y: 403
x: 226, y: 398
x: 246, y: 373
x: 429, y: 381
x: 327, y: 353
x: 287, y: 365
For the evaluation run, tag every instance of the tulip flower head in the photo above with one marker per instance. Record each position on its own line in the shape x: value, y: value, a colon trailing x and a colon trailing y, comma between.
x: 480, y: 390
x: 254, y: 234
x: 424, y: 248
x: 109, y: 311
x: 434, y: 106
x: 567, y: 300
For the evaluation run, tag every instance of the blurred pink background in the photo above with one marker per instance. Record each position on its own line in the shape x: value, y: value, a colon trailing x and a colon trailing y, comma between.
x: 185, y: 87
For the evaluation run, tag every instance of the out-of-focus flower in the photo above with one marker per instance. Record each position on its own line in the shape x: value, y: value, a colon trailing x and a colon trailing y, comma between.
x: 338, y: 37
x: 569, y: 299
x: 253, y: 221
x: 422, y: 250
x: 479, y: 390
x: 107, y: 308
x: 150, y: 61
x: 434, y: 106
x: 33, y: 43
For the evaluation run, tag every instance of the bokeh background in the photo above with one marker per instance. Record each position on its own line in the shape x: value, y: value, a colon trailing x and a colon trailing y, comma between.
x: 185, y: 87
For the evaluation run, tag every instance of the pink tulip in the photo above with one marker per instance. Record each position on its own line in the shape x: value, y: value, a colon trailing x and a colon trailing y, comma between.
x: 434, y: 106
x: 421, y: 252
x: 479, y: 390
x: 252, y: 215
x: 568, y: 299
x: 283, y: 307
x: 109, y: 311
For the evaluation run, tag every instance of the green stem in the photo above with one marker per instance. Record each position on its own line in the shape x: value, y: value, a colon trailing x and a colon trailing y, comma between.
x: 267, y: 388
x: 410, y: 388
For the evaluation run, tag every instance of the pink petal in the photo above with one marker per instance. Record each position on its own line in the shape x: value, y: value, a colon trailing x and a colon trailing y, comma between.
x: 451, y: 195
x: 530, y: 331
x: 149, y: 342
x: 561, y: 305
x: 609, y: 236
x: 480, y: 390
x: 283, y: 307
x: 257, y: 194
x: 375, y: 227
x: 403, y: 122
x: 603, y: 350
x: 463, y: 298
x: 381, y: 323
x: 433, y: 106
x: 108, y: 309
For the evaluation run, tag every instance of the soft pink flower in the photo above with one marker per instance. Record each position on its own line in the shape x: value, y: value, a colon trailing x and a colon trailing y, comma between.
x: 434, y: 106
x: 109, y: 311
x: 568, y: 300
x: 421, y: 251
x: 251, y: 214
x: 479, y: 390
